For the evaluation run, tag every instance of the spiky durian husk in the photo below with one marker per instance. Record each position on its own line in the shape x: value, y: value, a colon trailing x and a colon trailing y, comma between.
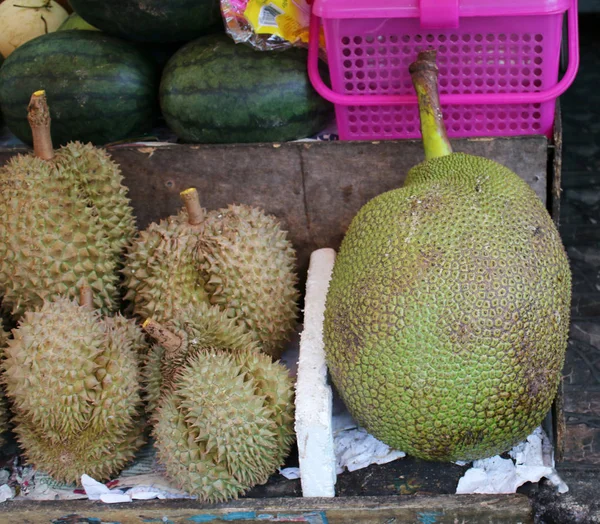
x: 200, y: 328
x: 161, y: 271
x: 52, y: 236
x: 99, y: 455
x: 92, y: 170
x: 238, y: 259
x: 4, y: 414
x: 272, y: 380
x: 72, y: 377
x: 152, y: 380
x: 215, y: 433
x: 248, y: 265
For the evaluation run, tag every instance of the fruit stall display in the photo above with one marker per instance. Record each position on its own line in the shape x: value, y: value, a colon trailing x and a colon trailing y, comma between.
x: 149, y: 291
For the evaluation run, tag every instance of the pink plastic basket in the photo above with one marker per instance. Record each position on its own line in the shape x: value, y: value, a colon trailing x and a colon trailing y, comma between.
x: 498, y: 62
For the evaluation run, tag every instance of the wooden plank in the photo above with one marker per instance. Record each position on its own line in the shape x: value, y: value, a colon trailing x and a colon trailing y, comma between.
x: 554, y: 184
x: 314, y: 188
x: 500, y: 509
x: 340, y: 179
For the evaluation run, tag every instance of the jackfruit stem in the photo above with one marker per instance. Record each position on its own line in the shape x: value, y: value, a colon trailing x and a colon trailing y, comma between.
x: 86, y: 297
x: 424, y: 73
x: 192, y: 205
x: 170, y: 341
x: 38, y: 116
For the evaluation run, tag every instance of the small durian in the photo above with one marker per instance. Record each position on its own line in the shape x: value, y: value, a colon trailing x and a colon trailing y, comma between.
x: 72, y: 377
x: 237, y: 259
x: 66, y: 220
x: 227, y: 424
x: 194, y: 329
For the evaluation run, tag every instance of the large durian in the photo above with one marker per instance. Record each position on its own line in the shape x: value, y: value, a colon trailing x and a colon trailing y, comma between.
x: 66, y: 220
x: 193, y: 329
x: 226, y: 424
x: 237, y: 258
x: 73, y: 380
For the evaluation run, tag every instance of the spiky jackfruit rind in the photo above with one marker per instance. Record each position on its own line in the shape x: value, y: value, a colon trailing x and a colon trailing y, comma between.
x: 65, y: 222
x: 72, y: 378
x: 447, y: 314
x: 216, y: 433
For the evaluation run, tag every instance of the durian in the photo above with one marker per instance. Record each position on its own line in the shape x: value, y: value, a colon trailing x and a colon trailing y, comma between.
x: 4, y: 412
x: 66, y: 220
x: 72, y: 377
x: 227, y: 423
x: 237, y: 258
x: 194, y: 329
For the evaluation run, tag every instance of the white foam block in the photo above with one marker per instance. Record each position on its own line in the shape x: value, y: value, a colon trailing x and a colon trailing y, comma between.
x: 313, y: 394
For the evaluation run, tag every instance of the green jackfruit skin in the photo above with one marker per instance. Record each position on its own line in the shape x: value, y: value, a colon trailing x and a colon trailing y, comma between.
x: 65, y: 222
x: 222, y: 430
x: 72, y: 378
x: 447, y: 314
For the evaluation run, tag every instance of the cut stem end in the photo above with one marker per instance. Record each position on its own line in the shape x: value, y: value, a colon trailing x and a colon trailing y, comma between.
x: 38, y: 115
x: 191, y: 200
x: 170, y: 341
x: 424, y: 73
x: 86, y: 297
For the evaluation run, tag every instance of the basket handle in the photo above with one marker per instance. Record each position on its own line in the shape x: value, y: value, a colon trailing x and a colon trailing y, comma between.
x: 464, y: 99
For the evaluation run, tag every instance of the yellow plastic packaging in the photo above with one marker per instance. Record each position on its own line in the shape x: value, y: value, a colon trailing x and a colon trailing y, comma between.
x: 268, y: 24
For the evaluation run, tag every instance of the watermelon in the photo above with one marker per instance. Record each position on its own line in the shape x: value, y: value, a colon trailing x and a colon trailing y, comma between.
x: 215, y: 91
x: 100, y: 89
x: 152, y: 20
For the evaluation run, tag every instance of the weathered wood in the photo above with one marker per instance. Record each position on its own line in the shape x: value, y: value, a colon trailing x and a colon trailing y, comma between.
x: 554, y: 191
x: 505, y: 509
x: 314, y: 188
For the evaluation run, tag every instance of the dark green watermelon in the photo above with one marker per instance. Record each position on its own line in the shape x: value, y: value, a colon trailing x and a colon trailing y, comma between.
x: 215, y: 91
x: 152, y: 20
x: 100, y: 89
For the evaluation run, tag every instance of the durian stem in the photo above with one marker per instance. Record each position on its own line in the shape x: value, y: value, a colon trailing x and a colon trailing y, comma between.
x: 86, y: 297
x: 38, y: 116
x: 424, y: 73
x: 170, y: 341
x: 192, y: 205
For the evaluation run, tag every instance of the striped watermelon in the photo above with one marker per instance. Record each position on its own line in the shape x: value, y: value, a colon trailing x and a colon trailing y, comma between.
x: 152, y: 20
x: 215, y: 91
x: 99, y: 88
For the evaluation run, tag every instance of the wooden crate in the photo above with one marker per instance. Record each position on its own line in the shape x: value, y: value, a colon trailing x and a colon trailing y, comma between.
x: 315, y: 189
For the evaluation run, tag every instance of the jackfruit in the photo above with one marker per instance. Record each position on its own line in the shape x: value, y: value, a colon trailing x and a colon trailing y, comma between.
x: 237, y: 259
x: 66, y: 220
x: 447, y: 314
